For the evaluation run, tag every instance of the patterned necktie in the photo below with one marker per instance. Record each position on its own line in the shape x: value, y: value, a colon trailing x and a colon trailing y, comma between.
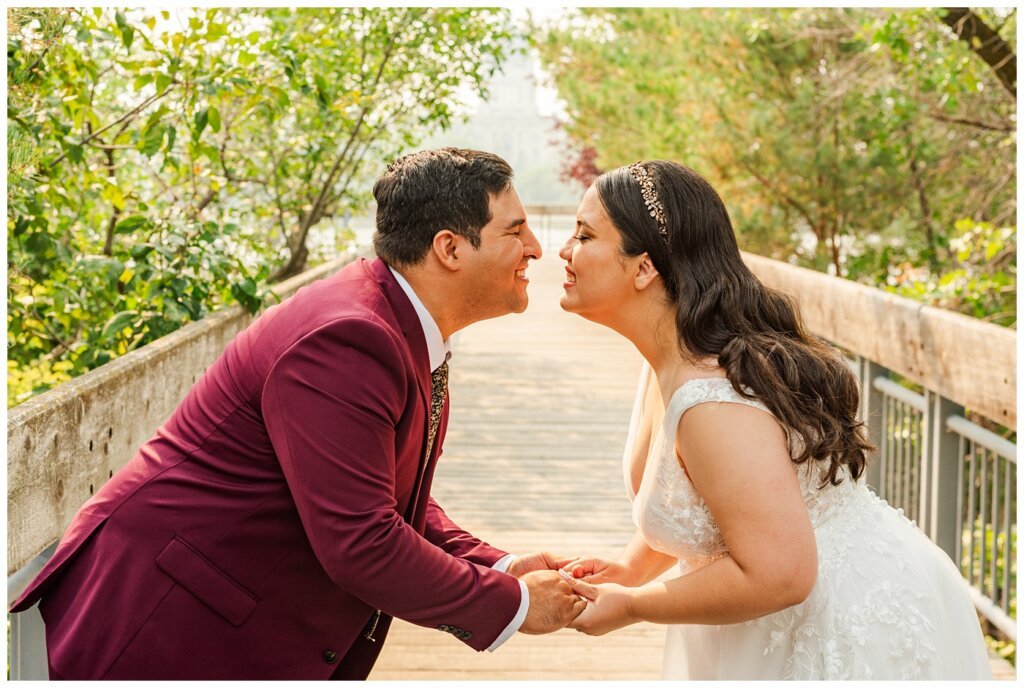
x: 439, y: 390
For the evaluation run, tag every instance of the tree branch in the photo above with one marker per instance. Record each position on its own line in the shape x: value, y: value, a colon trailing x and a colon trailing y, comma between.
x: 136, y: 110
x: 988, y: 126
x: 108, y: 245
x: 918, y: 182
x: 205, y: 201
x: 986, y: 43
x: 316, y: 212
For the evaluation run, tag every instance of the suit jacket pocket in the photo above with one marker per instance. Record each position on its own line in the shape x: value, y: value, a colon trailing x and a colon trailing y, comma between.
x: 211, y: 586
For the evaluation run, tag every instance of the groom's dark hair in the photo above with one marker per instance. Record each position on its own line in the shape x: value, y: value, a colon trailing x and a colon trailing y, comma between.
x: 424, y: 192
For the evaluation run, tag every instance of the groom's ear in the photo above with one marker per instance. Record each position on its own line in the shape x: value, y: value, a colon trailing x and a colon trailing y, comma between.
x: 445, y: 248
x: 646, y: 273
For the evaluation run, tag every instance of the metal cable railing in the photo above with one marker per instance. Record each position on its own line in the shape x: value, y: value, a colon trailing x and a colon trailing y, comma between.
x: 956, y: 479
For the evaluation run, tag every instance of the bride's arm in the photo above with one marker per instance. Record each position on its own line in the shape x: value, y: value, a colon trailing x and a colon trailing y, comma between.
x: 644, y: 563
x: 737, y: 459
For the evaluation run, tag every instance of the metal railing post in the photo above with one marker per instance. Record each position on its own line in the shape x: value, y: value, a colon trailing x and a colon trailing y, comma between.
x: 27, y: 650
x: 871, y: 402
x: 942, y: 454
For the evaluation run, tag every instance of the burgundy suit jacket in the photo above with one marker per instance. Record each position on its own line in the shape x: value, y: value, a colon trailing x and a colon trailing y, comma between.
x: 286, y: 499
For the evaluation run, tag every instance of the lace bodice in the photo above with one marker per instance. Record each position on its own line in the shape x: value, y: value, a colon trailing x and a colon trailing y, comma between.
x: 667, y: 509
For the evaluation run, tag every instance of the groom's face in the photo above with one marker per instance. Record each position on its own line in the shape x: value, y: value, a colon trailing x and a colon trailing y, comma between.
x: 497, y: 269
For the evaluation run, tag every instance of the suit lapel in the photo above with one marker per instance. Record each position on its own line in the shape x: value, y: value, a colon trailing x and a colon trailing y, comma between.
x: 418, y: 510
x: 409, y: 322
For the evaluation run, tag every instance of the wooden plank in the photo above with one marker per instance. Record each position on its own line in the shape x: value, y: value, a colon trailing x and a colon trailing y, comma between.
x: 972, y: 362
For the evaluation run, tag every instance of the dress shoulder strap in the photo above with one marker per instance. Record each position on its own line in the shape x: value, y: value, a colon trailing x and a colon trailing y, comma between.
x: 702, y: 391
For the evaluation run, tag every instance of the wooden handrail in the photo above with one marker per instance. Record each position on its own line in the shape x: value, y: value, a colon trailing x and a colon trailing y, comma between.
x: 971, y: 362
x: 65, y: 443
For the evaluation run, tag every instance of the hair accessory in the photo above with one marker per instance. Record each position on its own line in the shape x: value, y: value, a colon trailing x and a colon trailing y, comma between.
x: 654, y: 206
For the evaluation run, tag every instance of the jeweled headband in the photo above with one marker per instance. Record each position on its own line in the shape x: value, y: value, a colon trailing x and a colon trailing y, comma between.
x: 654, y: 206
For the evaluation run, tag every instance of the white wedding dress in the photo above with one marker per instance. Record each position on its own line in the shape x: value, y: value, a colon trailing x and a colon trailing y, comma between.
x: 887, y: 604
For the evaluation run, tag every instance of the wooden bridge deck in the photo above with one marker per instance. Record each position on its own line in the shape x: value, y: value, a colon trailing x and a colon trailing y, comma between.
x: 532, y: 461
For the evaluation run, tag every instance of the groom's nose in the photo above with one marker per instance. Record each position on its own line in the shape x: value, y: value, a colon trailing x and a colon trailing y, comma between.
x: 531, y: 246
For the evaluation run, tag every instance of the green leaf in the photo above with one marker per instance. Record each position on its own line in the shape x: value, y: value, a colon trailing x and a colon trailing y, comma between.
x: 118, y: 323
x: 131, y: 224
x: 76, y: 153
x: 152, y: 140
x: 992, y: 248
x: 140, y: 251
x: 247, y: 286
x: 112, y: 194
x: 201, y: 118
x: 38, y: 243
x: 214, y: 118
x: 172, y: 134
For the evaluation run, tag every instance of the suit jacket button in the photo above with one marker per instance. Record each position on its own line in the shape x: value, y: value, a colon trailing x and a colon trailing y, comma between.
x: 330, y: 656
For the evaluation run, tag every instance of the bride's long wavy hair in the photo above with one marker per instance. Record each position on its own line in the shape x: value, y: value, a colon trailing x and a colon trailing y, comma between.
x: 723, y: 310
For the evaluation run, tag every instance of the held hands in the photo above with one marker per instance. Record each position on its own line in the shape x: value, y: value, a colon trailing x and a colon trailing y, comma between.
x: 563, y: 592
x: 552, y: 602
x: 608, y: 607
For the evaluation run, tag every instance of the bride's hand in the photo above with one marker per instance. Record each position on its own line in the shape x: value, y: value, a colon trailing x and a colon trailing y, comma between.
x: 597, y: 570
x: 608, y: 607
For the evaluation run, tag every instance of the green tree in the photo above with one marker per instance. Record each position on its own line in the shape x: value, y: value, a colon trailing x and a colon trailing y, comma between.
x: 847, y: 140
x: 166, y: 163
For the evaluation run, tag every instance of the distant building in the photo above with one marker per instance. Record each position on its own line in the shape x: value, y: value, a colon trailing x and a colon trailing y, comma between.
x: 510, y: 125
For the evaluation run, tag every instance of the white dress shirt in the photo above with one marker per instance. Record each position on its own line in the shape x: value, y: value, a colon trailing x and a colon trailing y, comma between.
x: 438, y: 351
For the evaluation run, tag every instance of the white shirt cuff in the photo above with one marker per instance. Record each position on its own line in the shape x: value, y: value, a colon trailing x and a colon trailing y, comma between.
x: 524, y: 605
x: 503, y: 563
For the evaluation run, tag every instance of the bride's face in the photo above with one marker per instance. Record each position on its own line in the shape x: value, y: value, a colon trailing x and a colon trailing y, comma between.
x: 599, y: 280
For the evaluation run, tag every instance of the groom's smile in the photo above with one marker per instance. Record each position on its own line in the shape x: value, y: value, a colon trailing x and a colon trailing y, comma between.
x: 507, y: 244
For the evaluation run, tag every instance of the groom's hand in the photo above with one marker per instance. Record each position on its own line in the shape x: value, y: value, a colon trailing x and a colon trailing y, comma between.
x: 541, y: 561
x: 553, y: 604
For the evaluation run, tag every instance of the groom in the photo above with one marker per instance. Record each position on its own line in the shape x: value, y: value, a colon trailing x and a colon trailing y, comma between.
x: 278, y: 520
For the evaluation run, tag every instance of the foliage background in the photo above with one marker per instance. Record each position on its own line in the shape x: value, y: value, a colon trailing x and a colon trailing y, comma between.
x: 164, y: 163
x: 869, y: 143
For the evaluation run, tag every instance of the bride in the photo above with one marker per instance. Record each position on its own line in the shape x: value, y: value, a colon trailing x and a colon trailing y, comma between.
x: 788, y: 566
